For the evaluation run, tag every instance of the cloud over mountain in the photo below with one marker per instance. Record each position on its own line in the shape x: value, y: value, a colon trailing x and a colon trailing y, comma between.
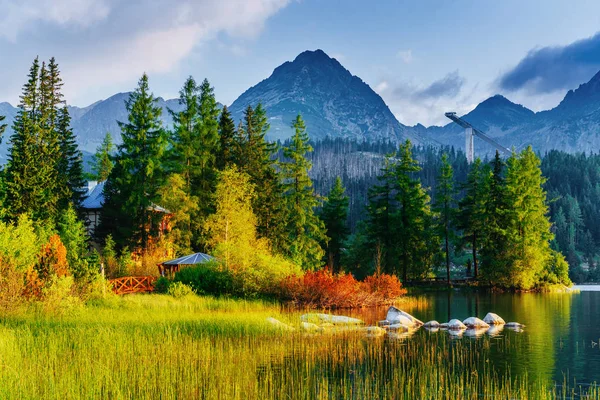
x: 552, y: 68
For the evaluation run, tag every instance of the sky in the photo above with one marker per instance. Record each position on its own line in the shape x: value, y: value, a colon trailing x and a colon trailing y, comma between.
x: 423, y: 57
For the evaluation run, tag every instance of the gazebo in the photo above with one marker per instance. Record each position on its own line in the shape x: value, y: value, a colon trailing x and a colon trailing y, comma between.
x: 172, y: 266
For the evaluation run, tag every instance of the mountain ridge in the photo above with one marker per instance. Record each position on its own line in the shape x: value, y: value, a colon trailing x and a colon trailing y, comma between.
x: 336, y: 103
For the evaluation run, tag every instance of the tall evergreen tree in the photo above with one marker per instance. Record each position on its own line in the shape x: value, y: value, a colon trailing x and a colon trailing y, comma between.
x: 305, y: 230
x: 495, y: 243
x: 33, y: 177
x: 381, y: 226
x: 418, y: 243
x: 335, y: 217
x: 132, y: 189
x: 470, y: 219
x: 2, y: 126
x: 255, y: 156
x: 227, y: 140
x: 102, y: 163
x: 70, y: 164
x: 445, y: 207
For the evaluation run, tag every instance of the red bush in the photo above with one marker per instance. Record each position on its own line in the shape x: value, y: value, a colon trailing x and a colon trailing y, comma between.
x: 323, y: 289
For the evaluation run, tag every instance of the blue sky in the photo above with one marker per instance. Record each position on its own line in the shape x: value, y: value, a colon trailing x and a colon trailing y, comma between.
x: 423, y: 57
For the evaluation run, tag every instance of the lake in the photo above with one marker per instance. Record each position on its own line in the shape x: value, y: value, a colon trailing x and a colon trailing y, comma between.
x: 559, y: 343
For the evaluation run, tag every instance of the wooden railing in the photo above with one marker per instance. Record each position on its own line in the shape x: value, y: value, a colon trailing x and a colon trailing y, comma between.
x: 133, y: 284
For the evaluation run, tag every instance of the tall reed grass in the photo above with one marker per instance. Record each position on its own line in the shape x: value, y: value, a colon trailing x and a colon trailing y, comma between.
x: 158, y: 347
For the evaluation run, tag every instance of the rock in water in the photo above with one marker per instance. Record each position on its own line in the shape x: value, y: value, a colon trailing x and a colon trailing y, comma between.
x: 444, y: 325
x: 374, y: 331
x: 493, y: 319
x: 397, y: 316
x: 333, y: 319
x: 278, y: 324
x: 398, y: 327
x: 384, y: 322
x: 455, y: 324
x: 308, y: 327
x: 474, y: 322
x: 432, y: 324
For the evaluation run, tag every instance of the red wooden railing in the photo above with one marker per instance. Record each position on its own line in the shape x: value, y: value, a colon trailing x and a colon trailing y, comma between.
x: 133, y: 284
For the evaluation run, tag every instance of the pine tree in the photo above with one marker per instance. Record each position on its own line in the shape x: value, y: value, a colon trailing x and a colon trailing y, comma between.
x: 495, y: 241
x: 305, y: 230
x: 417, y: 241
x: 335, y: 217
x: 2, y: 127
x: 185, y: 139
x: 131, y: 191
x: 445, y: 206
x: 381, y: 227
x: 204, y: 185
x: 470, y: 219
x: 255, y: 156
x: 70, y: 164
x: 227, y: 140
x: 32, y: 184
x: 102, y: 163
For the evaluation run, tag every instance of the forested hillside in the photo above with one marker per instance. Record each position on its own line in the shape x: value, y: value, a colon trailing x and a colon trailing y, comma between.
x: 573, y: 190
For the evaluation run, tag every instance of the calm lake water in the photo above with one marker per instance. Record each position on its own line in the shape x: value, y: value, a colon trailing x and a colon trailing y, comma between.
x: 560, y: 341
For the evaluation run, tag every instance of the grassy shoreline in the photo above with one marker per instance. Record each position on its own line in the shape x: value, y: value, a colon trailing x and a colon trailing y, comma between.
x: 156, y: 346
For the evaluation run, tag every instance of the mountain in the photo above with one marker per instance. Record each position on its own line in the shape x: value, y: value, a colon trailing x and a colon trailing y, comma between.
x: 332, y: 101
x: 91, y: 123
x: 572, y: 126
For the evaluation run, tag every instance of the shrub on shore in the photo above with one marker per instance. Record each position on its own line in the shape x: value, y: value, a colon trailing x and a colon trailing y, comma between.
x: 324, y: 289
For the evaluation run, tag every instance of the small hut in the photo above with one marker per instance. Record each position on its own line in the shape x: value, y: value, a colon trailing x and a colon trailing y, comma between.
x: 172, y: 266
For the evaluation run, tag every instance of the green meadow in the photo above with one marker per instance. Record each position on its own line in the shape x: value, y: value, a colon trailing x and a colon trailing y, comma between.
x: 160, y: 347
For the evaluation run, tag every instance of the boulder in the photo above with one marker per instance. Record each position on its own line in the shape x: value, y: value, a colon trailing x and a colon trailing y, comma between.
x: 474, y: 322
x: 385, y: 322
x: 395, y: 316
x: 455, y: 324
x: 444, y: 325
x: 514, y: 326
x: 374, y: 331
x: 278, y: 324
x: 432, y: 324
x: 398, y: 328
x: 309, y: 327
x: 432, y: 329
x: 493, y: 319
x: 328, y: 318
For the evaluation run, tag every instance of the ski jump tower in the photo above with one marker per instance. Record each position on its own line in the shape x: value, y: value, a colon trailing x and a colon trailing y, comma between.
x: 470, y: 133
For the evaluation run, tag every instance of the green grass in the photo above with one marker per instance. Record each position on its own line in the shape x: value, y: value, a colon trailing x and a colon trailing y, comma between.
x: 155, y: 346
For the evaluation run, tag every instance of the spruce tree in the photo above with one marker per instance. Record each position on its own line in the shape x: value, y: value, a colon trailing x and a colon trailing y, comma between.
x: 445, y: 207
x: 102, y: 163
x: 227, y: 140
x: 335, y: 217
x: 32, y: 184
x: 381, y: 227
x: 495, y: 241
x: 131, y: 191
x: 470, y: 218
x: 305, y: 230
x: 417, y: 241
x: 2, y: 127
x: 70, y: 164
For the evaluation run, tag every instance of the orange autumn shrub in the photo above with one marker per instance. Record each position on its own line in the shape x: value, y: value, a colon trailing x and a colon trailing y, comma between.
x: 324, y: 289
x: 386, y: 286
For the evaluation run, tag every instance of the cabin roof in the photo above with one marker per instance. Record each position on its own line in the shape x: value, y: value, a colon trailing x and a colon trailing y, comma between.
x: 196, y: 258
x: 94, y: 198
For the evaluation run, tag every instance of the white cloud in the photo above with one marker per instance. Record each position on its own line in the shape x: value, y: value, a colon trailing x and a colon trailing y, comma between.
x: 117, y: 40
x: 405, y: 55
x: 20, y: 16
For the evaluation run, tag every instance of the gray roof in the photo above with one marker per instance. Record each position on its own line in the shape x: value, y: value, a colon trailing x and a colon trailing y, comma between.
x: 94, y: 198
x: 196, y: 258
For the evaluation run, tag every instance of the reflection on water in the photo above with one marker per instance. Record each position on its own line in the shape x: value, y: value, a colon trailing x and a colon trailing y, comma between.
x: 561, y: 338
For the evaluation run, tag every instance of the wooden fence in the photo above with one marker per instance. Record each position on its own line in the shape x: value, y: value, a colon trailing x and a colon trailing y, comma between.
x: 133, y: 284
